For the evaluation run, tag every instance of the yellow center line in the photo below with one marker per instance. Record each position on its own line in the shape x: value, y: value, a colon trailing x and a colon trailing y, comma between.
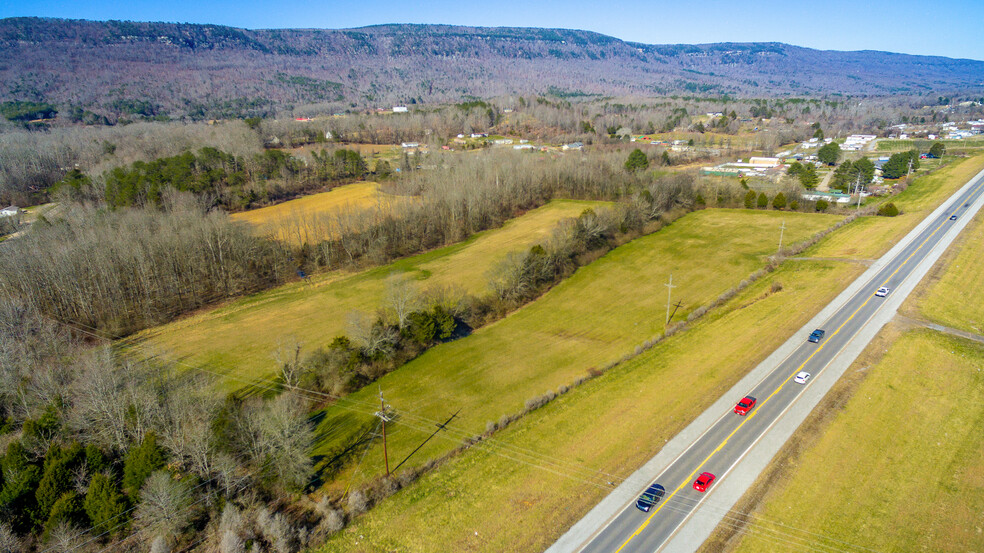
x: 784, y: 382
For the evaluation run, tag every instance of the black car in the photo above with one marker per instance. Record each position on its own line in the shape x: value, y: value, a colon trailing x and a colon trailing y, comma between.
x: 817, y: 335
x: 650, y: 497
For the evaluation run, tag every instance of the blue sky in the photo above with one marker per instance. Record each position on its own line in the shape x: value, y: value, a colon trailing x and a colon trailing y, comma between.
x: 933, y: 27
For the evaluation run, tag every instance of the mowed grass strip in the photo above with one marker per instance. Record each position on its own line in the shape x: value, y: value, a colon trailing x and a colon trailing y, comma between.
x: 870, y: 237
x: 240, y: 337
x: 287, y: 221
x: 900, y: 467
x: 495, y: 498
x: 601, y: 313
x: 957, y: 280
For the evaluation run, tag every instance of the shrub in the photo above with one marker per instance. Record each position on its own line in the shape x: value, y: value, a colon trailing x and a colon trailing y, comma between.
x: 888, y: 210
x: 822, y: 205
x: 358, y: 503
x: 794, y: 205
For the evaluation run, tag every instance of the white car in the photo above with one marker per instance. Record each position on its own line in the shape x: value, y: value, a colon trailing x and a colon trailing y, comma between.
x: 801, y: 377
x: 882, y: 292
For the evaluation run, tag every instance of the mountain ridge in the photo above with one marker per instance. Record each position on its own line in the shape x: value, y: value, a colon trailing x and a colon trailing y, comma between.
x: 210, y: 68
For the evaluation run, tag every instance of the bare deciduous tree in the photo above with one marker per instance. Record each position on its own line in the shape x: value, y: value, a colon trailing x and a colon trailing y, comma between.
x: 402, y: 296
x: 165, y: 506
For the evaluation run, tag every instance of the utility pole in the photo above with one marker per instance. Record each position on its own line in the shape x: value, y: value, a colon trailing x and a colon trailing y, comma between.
x: 383, y: 417
x: 859, y: 190
x: 782, y: 229
x: 669, y: 291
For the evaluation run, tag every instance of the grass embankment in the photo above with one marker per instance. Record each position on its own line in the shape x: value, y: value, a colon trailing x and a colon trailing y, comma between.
x: 898, y: 468
x: 240, y: 337
x: 544, y: 472
x: 870, y: 237
x: 595, y: 317
x: 288, y: 221
x: 956, y: 284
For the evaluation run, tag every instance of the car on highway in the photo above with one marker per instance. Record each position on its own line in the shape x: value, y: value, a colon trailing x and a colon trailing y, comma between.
x: 816, y: 335
x: 801, y: 377
x: 745, y: 405
x: 882, y: 292
x: 650, y: 497
x: 953, y: 217
x: 703, y: 481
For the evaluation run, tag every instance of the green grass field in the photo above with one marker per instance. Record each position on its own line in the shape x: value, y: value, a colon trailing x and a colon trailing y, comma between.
x: 595, y: 317
x: 522, y: 490
x: 901, y: 465
x: 239, y: 337
x: 923, y: 145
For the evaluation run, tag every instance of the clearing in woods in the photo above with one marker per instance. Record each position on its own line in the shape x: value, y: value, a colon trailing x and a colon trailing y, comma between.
x: 241, y: 336
x: 310, y: 217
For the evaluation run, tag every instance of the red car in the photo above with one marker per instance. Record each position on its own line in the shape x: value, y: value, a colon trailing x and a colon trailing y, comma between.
x: 745, y: 405
x: 703, y: 481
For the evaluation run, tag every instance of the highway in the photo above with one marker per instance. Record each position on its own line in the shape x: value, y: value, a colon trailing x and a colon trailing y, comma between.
x: 730, y: 438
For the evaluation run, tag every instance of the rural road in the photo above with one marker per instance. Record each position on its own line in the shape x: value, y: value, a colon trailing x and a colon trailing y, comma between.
x: 735, y: 448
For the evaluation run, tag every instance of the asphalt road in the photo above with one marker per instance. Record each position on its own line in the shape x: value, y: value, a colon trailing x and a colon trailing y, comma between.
x: 731, y: 437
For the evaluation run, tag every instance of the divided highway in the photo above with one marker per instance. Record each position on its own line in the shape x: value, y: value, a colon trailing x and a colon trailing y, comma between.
x: 725, y: 442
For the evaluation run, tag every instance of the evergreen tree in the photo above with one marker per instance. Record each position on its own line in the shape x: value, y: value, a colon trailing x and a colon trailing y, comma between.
x: 763, y: 200
x: 808, y: 176
x: 749, y: 199
x: 637, y: 160
x: 898, y: 165
x: 68, y: 508
x: 104, y: 504
x: 56, y: 479
x: 17, y: 498
x: 779, y: 202
x: 829, y: 153
x: 140, y: 462
x: 937, y: 149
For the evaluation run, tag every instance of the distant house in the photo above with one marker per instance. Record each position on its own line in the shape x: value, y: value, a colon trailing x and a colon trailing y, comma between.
x: 410, y: 144
x: 399, y: 109
x: 11, y: 213
x: 573, y: 146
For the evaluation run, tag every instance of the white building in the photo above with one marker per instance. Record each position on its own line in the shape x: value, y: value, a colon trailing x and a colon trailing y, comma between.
x: 399, y: 109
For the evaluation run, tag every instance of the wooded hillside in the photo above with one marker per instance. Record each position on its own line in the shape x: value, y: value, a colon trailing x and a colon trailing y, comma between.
x: 136, y: 69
